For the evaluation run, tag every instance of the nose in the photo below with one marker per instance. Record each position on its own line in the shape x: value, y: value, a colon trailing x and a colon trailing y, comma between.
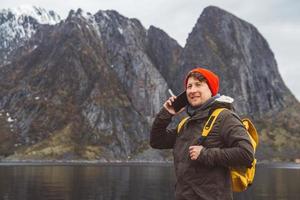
x: 192, y: 89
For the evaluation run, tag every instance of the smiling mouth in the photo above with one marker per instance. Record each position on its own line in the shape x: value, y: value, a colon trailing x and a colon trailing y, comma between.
x: 194, y: 97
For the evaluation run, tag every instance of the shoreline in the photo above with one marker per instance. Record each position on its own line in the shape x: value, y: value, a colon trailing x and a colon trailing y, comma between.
x: 82, y: 162
x: 269, y: 164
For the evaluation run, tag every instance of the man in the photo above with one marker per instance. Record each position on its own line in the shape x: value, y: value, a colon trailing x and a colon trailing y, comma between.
x: 202, y: 168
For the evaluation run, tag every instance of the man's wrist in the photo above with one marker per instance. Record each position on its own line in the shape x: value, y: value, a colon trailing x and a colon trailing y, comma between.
x: 164, y: 113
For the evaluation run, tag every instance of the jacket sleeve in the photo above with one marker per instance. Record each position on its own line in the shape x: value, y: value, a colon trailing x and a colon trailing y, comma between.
x: 238, y: 149
x: 160, y: 136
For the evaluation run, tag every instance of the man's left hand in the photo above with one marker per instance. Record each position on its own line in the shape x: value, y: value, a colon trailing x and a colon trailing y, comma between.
x: 195, y: 151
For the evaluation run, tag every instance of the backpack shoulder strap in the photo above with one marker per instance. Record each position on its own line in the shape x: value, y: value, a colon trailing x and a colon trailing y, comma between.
x: 210, y: 122
x: 252, y: 132
x: 208, y: 125
x: 181, y: 123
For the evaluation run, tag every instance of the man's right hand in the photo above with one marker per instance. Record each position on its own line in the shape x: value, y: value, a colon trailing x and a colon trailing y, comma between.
x: 168, y: 106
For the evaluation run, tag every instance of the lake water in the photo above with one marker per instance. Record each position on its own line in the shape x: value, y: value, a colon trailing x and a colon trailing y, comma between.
x: 127, y: 182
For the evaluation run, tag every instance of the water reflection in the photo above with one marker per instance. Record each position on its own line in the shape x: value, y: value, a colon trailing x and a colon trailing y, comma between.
x: 274, y: 183
x: 126, y: 182
x: 86, y: 182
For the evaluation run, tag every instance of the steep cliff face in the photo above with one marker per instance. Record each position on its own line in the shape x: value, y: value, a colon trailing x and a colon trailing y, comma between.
x: 236, y: 51
x: 248, y: 71
x: 64, y: 86
x: 124, y: 42
x: 89, y: 86
x: 165, y: 54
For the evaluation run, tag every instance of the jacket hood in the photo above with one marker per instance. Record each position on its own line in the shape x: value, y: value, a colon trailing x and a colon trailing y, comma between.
x: 222, y: 102
x: 225, y: 99
x: 219, y: 102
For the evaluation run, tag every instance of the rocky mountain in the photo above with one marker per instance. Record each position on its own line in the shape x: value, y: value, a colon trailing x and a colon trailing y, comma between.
x: 81, y: 90
x: 17, y: 25
x: 236, y: 50
x: 89, y: 86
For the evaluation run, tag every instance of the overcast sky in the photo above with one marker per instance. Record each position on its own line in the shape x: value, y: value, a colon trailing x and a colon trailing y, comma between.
x: 277, y: 20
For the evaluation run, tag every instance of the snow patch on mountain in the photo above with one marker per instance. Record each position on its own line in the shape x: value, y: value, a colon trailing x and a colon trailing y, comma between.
x: 42, y: 15
x: 21, y: 22
x: 17, y: 25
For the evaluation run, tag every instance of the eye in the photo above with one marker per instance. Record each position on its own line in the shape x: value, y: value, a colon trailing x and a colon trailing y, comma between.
x: 199, y: 84
x: 189, y: 86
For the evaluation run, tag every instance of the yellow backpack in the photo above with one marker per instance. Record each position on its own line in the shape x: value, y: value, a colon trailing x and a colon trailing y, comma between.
x: 241, y: 177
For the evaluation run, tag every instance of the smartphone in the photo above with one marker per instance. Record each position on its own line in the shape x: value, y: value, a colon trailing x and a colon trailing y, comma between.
x: 180, y: 101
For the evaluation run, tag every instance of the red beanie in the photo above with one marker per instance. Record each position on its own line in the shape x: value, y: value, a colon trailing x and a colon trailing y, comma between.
x: 212, y: 79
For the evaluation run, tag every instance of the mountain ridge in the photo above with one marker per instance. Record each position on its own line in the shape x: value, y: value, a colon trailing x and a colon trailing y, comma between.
x: 237, y: 47
x: 90, y: 86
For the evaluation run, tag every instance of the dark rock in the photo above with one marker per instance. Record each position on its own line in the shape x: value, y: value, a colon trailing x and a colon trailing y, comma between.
x: 165, y: 54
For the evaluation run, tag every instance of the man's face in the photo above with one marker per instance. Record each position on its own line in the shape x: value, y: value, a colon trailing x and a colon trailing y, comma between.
x: 197, y: 92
